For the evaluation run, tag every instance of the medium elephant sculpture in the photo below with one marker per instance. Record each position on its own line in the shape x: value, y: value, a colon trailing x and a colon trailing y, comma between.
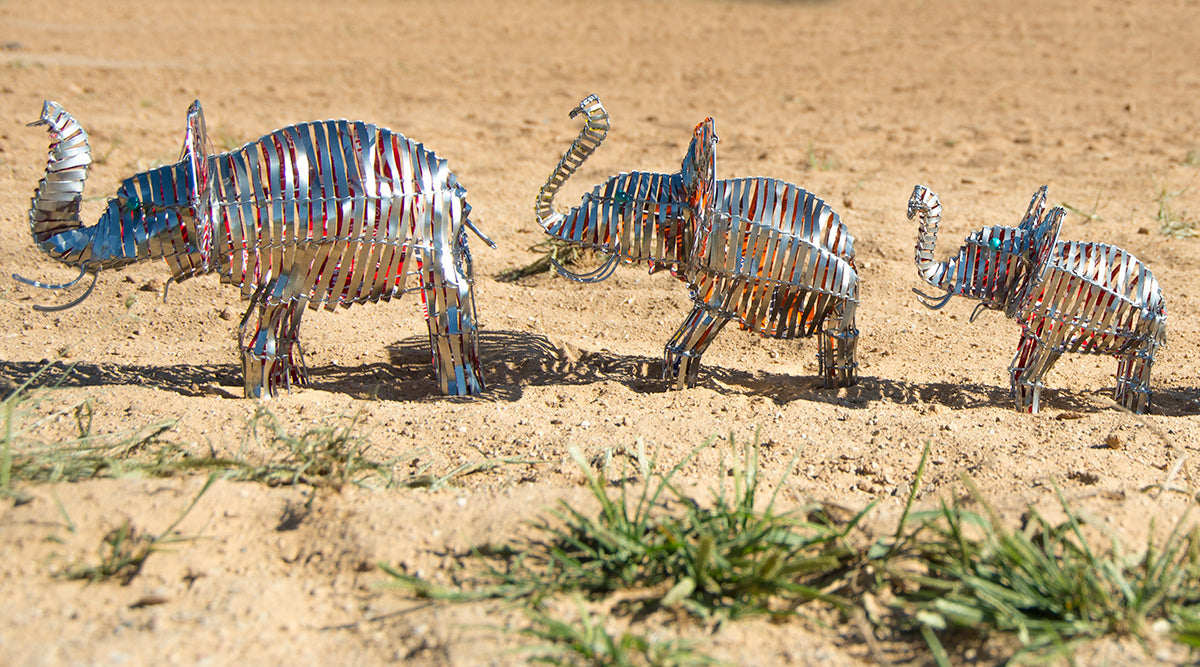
x: 1068, y: 296
x: 757, y: 250
x: 326, y: 213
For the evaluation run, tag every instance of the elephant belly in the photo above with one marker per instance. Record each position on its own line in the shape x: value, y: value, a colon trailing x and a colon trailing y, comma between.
x: 774, y: 283
x: 366, y: 255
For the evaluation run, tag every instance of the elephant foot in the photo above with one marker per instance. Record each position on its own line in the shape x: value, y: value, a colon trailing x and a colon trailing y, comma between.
x: 462, y: 381
x: 835, y: 358
x: 1028, y: 396
x: 1133, y: 398
x: 681, y: 370
x: 266, y: 378
x: 456, y: 363
x: 1133, y: 382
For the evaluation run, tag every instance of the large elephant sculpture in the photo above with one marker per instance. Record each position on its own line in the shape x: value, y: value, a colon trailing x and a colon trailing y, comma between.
x: 328, y: 213
x: 1068, y: 296
x: 763, y: 252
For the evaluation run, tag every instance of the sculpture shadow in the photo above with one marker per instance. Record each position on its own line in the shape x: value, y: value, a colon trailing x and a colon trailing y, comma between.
x: 185, y: 379
x: 514, y: 360
x: 1172, y: 401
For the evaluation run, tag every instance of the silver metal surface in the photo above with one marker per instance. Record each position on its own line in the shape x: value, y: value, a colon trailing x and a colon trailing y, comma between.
x: 760, y: 251
x: 1068, y: 296
x: 327, y: 213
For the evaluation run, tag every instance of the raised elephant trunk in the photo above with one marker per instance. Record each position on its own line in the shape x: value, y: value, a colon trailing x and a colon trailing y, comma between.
x: 54, y: 209
x: 589, y: 139
x: 136, y: 225
x: 927, y: 208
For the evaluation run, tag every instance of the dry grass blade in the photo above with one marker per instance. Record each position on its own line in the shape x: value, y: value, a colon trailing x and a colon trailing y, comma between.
x: 124, y: 550
x: 551, y: 250
x: 587, y: 642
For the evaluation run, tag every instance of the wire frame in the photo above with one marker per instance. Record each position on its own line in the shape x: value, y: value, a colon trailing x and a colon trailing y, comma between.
x: 329, y: 213
x: 766, y: 253
x: 1068, y: 296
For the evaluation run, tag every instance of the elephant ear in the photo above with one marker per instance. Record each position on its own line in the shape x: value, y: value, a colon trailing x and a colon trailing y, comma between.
x: 699, y: 170
x: 199, y: 178
x: 195, y: 153
x: 1037, y: 207
x: 1043, y: 239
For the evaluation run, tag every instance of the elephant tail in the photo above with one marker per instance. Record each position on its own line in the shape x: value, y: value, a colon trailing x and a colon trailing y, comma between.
x: 589, y: 139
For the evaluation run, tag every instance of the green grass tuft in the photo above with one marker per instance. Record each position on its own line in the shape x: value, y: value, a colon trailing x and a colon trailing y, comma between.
x: 1046, y: 584
x: 663, y: 549
x: 551, y: 250
x: 1172, y: 221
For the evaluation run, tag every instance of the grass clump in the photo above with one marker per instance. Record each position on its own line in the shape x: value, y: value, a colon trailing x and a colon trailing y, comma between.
x: 34, y: 447
x: 662, y: 549
x: 1087, y: 215
x: 1172, y: 221
x: 41, y: 444
x: 650, y: 547
x: 823, y: 162
x: 1046, y: 583
x: 947, y: 578
x: 550, y: 250
x: 331, y: 454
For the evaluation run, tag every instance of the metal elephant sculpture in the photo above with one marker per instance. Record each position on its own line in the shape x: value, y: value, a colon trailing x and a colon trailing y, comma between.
x: 757, y: 250
x: 1068, y: 296
x: 326, y: 213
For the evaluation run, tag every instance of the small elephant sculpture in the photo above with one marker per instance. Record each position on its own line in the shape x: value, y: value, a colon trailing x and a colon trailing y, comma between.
x: 326, y: 213
x: 760, y: 251
x: 1068, y: 296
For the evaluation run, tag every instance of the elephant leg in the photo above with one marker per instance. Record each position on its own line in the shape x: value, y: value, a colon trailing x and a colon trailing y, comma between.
x: 1133, y: 380
x: 681, y: 359
x: 267, y: 350
x: 1030, y: 364
x: 836, y: 349
x: 449, y: 300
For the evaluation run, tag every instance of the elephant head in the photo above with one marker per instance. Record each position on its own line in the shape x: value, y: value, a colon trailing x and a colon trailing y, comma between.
x: 996, y: 265
x: 636, y: 216
x: 157, y: 213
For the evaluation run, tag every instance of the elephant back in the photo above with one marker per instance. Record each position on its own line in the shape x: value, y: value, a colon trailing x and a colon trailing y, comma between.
x: 1094, y: 297
x: 775, y: 256
x: 331, y: 212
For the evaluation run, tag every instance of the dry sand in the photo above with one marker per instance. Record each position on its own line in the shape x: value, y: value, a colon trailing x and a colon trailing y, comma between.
x: 855, y: 100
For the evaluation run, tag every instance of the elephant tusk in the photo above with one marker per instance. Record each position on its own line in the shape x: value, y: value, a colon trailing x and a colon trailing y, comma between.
x: 933, y: 303
x: 603, y: 273
x: 975, y: 313
x: 76, y: 302
x: 471, y: 226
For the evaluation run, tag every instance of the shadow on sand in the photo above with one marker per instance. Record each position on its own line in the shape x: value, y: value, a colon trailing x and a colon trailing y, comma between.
x: 514, y: 360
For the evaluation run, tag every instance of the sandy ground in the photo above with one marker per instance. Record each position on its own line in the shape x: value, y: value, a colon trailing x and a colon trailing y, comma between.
x: 855, y: 100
